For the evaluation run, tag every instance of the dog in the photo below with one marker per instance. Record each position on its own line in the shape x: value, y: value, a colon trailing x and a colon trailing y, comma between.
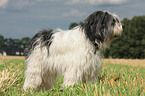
x: 75, y: 54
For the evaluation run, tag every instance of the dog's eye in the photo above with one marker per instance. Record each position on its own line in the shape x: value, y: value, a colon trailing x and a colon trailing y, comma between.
x: 115, y: 36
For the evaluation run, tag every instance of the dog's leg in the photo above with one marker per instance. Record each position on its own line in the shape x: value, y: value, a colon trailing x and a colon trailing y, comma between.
x: 93, y: 75
x: 35, y: 68
x: 48, y: 79
x: 71, y: 77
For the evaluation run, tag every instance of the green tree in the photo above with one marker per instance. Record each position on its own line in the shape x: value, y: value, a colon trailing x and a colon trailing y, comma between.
x: 1, y: 41
x: 74, y: 24
x: 24, y: 42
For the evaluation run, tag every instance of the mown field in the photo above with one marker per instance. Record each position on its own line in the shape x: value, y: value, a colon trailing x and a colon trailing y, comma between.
x: 119, y: 77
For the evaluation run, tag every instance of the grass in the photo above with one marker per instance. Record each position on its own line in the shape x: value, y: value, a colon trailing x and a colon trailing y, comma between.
x: 117, y: 79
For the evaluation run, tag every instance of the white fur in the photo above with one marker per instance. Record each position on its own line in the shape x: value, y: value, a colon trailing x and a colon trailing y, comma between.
x: 71, y: 55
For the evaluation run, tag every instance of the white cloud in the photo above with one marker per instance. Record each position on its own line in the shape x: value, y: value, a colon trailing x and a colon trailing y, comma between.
x: 96, y: 2
x: 40, y: 0
x: 75, y: 13
x: 114, y: 1
x: 19, y: 4
x: 3, y: 3
x: 22, y: 3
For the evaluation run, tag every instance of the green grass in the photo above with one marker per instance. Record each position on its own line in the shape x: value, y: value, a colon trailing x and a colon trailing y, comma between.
x: 115, y: 80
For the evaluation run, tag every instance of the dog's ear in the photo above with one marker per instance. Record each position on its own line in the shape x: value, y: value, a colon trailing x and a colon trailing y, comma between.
x: 97, y: 25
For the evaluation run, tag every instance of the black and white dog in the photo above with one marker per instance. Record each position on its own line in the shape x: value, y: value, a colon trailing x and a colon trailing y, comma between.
x: 75, y: 54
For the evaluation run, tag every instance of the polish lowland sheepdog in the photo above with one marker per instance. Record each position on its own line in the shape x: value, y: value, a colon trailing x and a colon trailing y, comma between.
x: 74, y: 54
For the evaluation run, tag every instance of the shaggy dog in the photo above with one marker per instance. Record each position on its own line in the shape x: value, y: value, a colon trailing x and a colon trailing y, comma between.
x: 75, y: 54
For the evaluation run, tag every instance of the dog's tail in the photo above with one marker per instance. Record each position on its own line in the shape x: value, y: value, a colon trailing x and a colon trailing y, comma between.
x: 43, y: 38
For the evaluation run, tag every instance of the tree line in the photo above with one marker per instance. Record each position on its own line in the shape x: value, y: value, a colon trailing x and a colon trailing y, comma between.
x: 131, y: 44
x: 13, y: 46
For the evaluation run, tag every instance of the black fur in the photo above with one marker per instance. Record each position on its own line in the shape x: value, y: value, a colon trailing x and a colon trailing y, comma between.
x: 98, y: 27
x: 44, y: 37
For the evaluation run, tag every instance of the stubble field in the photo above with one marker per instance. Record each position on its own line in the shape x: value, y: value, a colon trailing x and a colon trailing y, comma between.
x: 119, y: 77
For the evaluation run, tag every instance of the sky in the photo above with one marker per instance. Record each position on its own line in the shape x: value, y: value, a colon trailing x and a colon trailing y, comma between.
x: 24, y: 18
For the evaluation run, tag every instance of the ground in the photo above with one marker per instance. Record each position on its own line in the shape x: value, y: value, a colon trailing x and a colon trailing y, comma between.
x: 119, y: 77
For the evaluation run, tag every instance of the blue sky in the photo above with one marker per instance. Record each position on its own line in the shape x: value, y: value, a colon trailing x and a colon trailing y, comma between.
x: 24, y: 18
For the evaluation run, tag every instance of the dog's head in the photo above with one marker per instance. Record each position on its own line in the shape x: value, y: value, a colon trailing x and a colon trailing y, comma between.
x: 101, y: 28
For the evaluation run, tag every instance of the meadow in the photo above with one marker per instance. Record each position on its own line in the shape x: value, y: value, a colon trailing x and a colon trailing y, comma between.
x: 119, y: 77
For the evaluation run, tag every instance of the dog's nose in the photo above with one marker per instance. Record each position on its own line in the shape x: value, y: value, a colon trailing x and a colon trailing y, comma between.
x: 123, y: 26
